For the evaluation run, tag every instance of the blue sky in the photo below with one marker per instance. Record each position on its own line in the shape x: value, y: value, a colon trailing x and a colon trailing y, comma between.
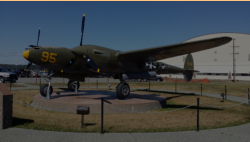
x: 117, y: 25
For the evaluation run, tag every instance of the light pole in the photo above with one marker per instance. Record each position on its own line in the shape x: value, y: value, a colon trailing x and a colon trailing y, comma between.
x: 234, y: 70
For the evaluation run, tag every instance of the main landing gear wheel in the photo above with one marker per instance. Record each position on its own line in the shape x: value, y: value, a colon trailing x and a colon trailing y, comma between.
x: 44, y: 88
x: 72, y: 85
x: 122, y: 90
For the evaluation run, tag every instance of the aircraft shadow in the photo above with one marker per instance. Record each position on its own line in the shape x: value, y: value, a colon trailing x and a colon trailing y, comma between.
x: 169, y: 98
x: 64, y: 89
x: 192, y: 107
x: 89, y: 124
x: 20, y: 121
x: 107, y: 95
x: 176, y: 93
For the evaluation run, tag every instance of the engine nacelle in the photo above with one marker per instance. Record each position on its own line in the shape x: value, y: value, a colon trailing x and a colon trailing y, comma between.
x: 141, y: 75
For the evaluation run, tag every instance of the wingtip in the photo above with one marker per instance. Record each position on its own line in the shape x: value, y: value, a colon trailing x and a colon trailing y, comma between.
x: 227, y: 39
x: 83, y: 15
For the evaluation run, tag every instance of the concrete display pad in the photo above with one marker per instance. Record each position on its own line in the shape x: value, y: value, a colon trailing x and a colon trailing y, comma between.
x: 66, y: 101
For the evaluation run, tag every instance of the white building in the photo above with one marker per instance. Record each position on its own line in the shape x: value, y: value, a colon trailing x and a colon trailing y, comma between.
x: 217, y: 63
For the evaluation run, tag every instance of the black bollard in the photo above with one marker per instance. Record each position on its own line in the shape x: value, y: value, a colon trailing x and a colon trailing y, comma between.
x: 225, y: 92
x: 82, y: 120
x: 198, y: 102
x: 175, y: 87
x: 201, y: 89
x: 148, y: 85
x: 102, y: 117
x: 223, y: 96
x: 97, y: 84
x: 248, y: 96
x: 40, y: 82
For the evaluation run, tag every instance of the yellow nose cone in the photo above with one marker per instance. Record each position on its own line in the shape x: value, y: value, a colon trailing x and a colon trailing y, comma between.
x: 26, y: 54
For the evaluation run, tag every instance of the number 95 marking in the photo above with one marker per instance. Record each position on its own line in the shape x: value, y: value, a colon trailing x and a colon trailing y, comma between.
x: 48, y: 57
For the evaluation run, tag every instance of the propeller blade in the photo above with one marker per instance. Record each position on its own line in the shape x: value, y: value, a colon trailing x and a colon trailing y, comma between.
x: 82, y: 29
x: 70, y: 63
x: 29, y: 64
x: 38, y: 37
x: 90, y: 64
x: 33, y: 46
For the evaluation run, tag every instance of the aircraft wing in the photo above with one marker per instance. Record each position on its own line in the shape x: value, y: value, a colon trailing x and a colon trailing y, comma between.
x: 168, y: 51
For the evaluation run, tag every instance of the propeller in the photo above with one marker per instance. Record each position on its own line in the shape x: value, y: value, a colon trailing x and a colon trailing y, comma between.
x: 69, y: 64
x: 90, y: 64
x: 74, y: 58
x: 82, y: 29
x: 37, y: 39
x: 30, y: 63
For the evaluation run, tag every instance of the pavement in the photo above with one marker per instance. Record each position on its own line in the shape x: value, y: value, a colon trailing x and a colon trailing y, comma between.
x: 230, y: 134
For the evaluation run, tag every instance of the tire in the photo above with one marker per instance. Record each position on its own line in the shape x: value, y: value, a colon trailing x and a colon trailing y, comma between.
x: 71, y: 85
x: 122, y: 91
x: 44, y: 88
x: 2, y: 80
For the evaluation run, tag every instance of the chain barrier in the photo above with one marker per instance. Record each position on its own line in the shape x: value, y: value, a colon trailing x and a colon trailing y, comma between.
x: 51, y: 109
x: 172, y: 110
x: 222, y: 89
x: 222, y: 106
x: 122, y: 109
x: 105, y: 105
x: 149, y: 112
x: 232, y: 91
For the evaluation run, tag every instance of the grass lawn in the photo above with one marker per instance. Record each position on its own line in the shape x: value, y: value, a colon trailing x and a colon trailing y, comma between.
x: 239, y: 89
x: 14, y: 85
x: 183, y: 120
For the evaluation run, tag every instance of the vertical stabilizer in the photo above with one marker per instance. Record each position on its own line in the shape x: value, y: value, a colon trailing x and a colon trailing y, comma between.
x: 189, y: 63
x: 189, y: 68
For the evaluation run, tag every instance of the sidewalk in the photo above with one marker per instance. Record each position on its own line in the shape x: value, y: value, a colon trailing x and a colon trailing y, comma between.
x: 229, y: 134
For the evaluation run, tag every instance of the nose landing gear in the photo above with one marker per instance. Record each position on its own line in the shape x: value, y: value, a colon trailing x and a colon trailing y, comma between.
x: 46, y: 90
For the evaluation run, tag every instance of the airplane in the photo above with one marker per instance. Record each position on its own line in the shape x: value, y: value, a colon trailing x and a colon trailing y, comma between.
x: 92, y: 60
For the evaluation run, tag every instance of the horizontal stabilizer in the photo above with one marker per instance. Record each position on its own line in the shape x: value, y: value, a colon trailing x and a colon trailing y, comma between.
x: 192, y: 70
